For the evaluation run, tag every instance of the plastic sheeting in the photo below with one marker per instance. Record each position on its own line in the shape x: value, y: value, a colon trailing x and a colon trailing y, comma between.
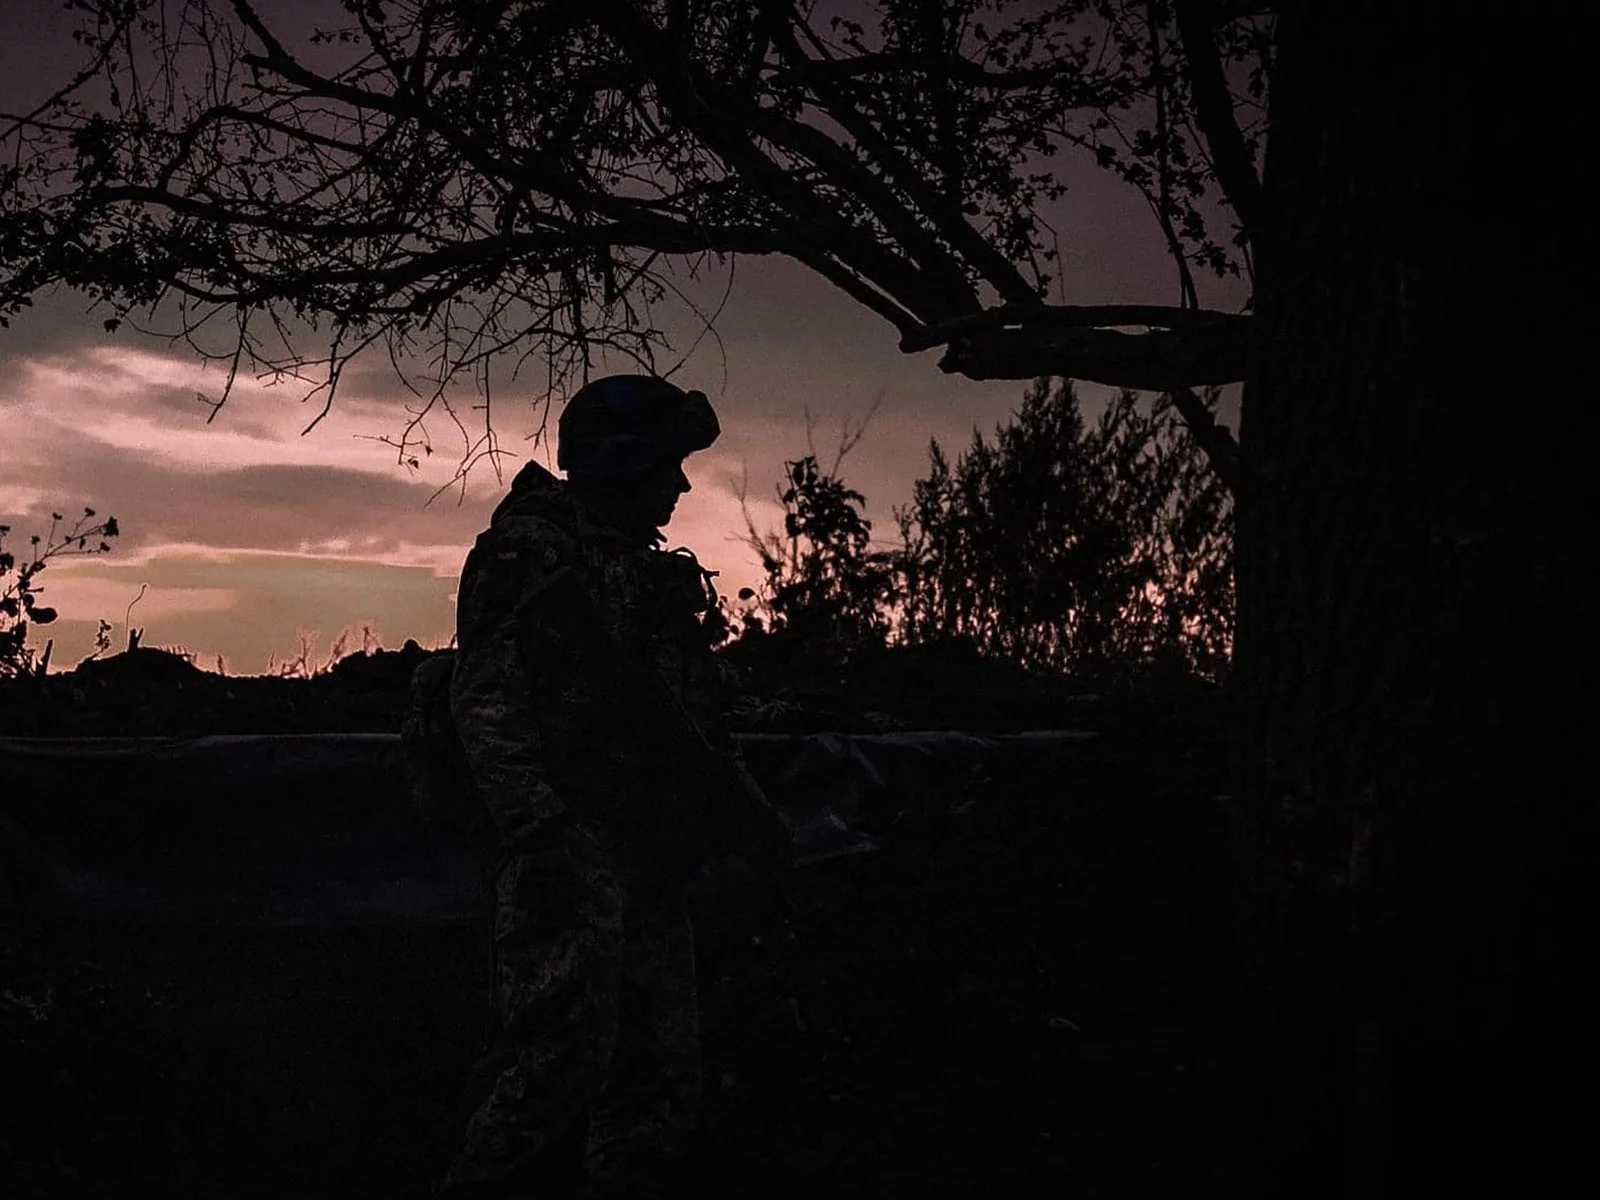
x: 316, y: 829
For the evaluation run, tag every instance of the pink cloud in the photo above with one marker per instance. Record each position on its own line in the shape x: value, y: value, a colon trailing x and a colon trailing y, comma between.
x: 246, y: 530
x: 80, y: 593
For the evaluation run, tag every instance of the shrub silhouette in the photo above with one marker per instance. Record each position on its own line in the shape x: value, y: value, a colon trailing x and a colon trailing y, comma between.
x: 1103, y: 550
x: 303, y: 664
x: 20, y: 590
x: 824, y: 582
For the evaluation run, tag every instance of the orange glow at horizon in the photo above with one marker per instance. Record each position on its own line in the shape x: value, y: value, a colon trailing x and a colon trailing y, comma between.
x: 246, y: 536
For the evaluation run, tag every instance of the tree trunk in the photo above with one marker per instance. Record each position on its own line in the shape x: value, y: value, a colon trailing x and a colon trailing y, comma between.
x: 1413, y: 638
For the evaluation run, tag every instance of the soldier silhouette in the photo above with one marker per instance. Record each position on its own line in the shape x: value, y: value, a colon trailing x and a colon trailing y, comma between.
x: 587, y: 709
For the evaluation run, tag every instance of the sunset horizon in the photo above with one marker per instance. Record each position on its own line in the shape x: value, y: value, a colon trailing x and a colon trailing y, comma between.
x: 247, y: 532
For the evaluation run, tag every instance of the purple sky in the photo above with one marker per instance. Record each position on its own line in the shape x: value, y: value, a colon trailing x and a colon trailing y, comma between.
x: 247, y: 535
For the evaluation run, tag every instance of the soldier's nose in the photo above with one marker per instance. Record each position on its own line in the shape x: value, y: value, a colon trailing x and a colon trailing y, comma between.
x: 683, y: 482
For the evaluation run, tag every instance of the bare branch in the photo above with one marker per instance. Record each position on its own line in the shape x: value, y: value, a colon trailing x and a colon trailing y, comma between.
x: 1050, y: 317
x: 452, y: 182
x: 1213, y: 108
x: 951, y: 221
x: 1159, y: 361
x: 1220, y: 448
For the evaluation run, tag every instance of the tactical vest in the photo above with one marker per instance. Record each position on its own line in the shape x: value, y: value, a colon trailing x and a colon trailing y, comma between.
x: 686, y: 756
x: 439, y: 776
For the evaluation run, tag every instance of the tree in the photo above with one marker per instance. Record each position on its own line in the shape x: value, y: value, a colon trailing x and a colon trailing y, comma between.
x: 825, y: 587
x: 825, y: 584
x: 459, y: 180
x: 1103, y: 551
x: 1411, y: 860
x: 19, y: 595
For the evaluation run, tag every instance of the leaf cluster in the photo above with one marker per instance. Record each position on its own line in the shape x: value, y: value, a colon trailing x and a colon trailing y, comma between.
x: 825, y: 583
x: 20, y: 589
x: 1101, y: 550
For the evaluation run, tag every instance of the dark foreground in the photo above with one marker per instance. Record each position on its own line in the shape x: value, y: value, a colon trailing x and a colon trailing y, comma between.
x: 1023, y: 994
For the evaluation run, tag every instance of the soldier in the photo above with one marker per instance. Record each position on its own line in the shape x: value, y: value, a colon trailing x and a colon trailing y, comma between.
x: 588, y: 704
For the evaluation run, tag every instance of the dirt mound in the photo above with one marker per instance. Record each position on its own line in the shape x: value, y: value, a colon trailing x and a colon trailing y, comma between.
x: 784, y: 688
x: 147, y: 693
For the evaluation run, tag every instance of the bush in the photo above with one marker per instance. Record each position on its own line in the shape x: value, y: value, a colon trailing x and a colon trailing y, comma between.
x: 20, y: 591
x: 1103, y: 551
x: 824, y: 581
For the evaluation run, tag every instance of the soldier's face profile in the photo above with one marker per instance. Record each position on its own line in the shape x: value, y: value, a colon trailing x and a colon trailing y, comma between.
x: 657, y: 493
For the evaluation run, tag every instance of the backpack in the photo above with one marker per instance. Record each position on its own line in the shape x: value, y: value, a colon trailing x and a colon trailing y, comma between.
x: 438, y: 775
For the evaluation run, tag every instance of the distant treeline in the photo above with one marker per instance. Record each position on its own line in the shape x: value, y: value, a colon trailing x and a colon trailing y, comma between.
x: 1102, y: 549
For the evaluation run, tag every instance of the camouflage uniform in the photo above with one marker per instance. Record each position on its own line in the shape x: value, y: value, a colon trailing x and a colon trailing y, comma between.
x: 595, y: 984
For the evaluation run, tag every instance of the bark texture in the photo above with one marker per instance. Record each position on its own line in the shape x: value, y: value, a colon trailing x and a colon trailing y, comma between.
x: 1414, y: 645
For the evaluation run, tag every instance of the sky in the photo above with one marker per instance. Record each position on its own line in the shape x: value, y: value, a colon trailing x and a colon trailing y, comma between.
x: 244, y: 537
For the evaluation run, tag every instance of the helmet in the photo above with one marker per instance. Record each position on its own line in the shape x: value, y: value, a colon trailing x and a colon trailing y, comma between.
x: 621, y: 426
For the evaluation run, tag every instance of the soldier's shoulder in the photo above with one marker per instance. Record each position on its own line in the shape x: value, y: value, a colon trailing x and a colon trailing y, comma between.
x: 535, y: 540
x: 514, y: 560
x: 536, y: 512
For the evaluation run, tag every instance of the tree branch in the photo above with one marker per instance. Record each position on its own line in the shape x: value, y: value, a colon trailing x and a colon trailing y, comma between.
x: 959, y: 68
x: 1160, y: 361
x: 1220, y: 448
x: 224, y: 215
x: 685, y: 92
x: 945, y: 213
x: 1208, y: 349
x: 1086, y: 316
x: 855, y: 286
x: 1213, y: 109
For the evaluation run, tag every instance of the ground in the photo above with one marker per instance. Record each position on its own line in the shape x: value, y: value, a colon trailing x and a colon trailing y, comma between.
x: 1025, y: 993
